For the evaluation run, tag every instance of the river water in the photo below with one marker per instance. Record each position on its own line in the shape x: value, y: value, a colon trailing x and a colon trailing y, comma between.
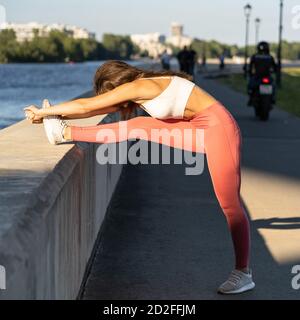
x: 30, y: 83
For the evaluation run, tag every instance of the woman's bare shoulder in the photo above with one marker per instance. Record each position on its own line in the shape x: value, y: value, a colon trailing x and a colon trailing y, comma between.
x: 147, y: 88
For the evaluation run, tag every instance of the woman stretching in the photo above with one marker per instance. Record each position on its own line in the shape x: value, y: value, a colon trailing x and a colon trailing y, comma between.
x: 174, y: 102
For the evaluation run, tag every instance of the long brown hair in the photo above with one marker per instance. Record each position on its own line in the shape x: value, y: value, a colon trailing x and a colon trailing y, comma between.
x: 113, y: 73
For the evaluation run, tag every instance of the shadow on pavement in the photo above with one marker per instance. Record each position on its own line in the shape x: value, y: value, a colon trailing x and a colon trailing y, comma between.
x: 277, y: 223
x: 165, y: 237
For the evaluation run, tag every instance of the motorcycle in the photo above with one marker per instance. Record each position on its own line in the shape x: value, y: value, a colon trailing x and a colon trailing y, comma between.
x: 262, y: 98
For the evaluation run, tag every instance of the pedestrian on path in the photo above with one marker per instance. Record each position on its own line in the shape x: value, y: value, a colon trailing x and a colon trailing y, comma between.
x: 173, y: 103
x: 222, y: 61
x: 183, y: 60
x: 191, y: 60
x: 203, y: 64
x: 165, y: 60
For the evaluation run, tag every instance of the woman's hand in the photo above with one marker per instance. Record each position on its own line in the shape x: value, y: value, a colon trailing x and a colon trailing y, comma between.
x: 32, y: 114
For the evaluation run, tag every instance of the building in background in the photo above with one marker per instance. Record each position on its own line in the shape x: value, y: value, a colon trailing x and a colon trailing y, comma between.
x: 153, y: 43
x: 27, y: 31
x: 177, y: 38
x: 176, y: 29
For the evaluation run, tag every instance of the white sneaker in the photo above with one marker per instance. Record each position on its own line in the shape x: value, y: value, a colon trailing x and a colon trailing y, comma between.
x: 237, y: 282
x: 54, y: 126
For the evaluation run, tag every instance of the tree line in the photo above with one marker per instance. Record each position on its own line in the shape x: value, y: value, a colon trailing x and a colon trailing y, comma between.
x: 61, y: 47
x: 213, y: 49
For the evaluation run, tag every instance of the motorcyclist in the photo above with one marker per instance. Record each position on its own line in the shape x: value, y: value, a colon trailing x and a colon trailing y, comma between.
x: 262, y: 64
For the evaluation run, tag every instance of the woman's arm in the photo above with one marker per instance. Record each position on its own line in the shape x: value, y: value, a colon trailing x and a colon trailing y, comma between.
x: 92, y: 113
x: 82, y: 107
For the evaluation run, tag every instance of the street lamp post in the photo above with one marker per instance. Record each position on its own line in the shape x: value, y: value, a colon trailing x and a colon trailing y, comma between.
x: 247, y: 11
x: 257, y: 25
x: 278, y: 78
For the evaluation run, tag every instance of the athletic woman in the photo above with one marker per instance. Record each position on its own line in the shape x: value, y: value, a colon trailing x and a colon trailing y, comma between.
x: 174, y: 102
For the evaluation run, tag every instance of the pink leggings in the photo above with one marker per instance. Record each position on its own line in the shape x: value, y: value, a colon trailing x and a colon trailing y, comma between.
x: 222, y: 146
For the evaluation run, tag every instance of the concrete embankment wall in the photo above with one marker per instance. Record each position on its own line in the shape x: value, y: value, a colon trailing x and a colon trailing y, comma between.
x: 52, y: 203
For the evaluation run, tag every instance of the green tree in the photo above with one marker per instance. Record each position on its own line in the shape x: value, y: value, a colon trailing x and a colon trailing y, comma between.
x: 118, y: 47
x: 92, y: 50
x: 60, y: 46
x: 8, y: 44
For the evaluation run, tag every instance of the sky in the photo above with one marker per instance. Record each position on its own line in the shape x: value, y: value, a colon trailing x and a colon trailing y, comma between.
x: 221, y: 20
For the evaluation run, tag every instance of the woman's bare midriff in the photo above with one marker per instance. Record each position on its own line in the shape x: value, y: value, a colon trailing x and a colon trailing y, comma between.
x: 197, y: 102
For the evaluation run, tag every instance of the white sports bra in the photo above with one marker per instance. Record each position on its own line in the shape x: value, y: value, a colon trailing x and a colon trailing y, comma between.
x: 171, y: 102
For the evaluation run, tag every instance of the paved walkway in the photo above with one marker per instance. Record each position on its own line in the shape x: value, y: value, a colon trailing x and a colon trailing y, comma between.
x: 165, y: 237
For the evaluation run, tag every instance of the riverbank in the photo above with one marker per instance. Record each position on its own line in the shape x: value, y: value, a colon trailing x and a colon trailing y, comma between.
x: 23, y: 84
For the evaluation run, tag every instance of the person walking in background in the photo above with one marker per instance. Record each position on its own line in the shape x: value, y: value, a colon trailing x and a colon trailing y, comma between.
x: 222, y: 61
x: 203, y: 63
x: 182, y: 57
x: 191, y: 60
x: 165, y: 60
x: 173, y: 103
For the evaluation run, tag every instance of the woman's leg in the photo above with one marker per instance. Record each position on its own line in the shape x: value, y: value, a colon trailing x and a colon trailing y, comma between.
x: 172, y: 132
x: 223, y: 146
